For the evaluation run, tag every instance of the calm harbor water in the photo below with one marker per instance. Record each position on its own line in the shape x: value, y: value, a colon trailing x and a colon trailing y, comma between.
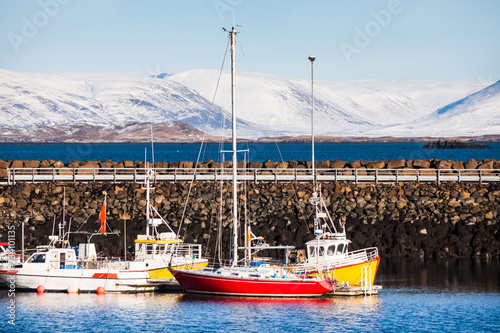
x: 418, y: 296
x: 256, y: 152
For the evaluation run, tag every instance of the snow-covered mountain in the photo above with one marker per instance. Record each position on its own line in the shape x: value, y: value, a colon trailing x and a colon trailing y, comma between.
x: 266, y: 105
x: 476, y: 114
x: 28, y: 99
x: 341, y: 107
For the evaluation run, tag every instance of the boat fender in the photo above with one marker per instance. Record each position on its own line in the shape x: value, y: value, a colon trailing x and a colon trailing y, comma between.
x: 100, y: 290
x: 72, y: 290
x: 40, y: 289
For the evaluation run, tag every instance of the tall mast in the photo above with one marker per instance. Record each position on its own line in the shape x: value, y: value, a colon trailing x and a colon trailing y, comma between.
x: 235, y: 183
x: 312, y: 58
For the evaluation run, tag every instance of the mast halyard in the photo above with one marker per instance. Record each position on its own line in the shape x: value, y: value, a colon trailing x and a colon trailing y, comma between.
x: 235, y: 164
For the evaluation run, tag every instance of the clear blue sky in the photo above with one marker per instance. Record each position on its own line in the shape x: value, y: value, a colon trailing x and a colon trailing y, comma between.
x: 352, y: 39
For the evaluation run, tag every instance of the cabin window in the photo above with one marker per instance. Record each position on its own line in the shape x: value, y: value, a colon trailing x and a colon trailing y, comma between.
x: 62, y: 259
x: 149, y: 249
x: 37, y: 258
x: 321, y: 251
x: 312, y: 251
x: 331, y: 250
x: 340, y: 249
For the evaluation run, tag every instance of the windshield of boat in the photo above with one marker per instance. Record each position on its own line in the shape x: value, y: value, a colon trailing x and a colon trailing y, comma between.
x: 312, y: 251
x: 37, y: 258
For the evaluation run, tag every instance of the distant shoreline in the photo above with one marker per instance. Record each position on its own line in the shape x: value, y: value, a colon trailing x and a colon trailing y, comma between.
x: 269, y: 140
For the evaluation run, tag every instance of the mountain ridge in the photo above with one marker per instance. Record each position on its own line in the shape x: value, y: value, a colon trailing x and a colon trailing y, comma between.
x: 266, y: 105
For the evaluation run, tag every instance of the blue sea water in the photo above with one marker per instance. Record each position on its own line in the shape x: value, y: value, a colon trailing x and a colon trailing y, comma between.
x: 255, y: 152
x: 417, y: 296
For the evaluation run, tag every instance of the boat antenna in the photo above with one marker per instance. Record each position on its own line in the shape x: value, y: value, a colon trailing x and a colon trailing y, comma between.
x: 54, y: 225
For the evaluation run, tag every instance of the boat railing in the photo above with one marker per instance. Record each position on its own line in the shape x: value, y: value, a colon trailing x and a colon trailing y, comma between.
x: 358, y: 256
x: 193, y: 251
x: 252, y: 174
x: 350, y: 258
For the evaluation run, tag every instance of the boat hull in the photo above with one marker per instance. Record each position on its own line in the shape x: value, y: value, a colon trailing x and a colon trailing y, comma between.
x: 354, y: 274
x: 209, y: 283
x: 79, y: 279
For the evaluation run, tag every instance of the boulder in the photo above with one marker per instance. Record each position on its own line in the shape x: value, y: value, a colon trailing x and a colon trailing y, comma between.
x: 128, y: 164
x: 354, y: 164
x: 73, y: 164
x: 444, y: 165
x: 487, y: 165
x: 16, y: 164
x: 31, y: 164
x: 422, y: 164
x: 337, y: 164
x: 255, y: 165
x: 471, y: 164
x: 270, y: 165
x: 46, y: 163
x: 375, y: 165
x: 396, y: 164
x: 458, y: 165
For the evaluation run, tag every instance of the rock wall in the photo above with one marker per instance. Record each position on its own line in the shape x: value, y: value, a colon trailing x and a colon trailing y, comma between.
x: 335, y: 164
x: 410, y: 219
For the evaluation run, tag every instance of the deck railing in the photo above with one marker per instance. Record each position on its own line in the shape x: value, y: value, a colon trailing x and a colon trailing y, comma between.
x: 255, y: 175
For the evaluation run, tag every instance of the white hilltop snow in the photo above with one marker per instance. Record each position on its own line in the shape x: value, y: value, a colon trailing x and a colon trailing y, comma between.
x: 341, y: 107
x: 474, y: 115
x: 266, y: 105
x: 29, y: 99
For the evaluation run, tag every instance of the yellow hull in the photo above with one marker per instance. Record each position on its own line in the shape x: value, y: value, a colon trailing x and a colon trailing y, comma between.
x: 164, y: 273
x: 353, y: 274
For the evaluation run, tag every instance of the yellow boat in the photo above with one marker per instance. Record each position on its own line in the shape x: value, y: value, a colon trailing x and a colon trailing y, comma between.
x: 167, y: 251
x: 163, y: 250
x: 329, y: 253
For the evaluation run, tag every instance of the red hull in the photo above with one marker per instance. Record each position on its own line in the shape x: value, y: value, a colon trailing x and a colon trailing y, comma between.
x: 203, y: 283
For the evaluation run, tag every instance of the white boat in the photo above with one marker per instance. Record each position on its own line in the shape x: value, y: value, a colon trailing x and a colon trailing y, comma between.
x: 59, y: 267
x: 160, y: 251
x: 252, y: 278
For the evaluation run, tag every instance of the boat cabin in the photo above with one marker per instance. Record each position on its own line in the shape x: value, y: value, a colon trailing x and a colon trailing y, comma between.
x: 327, y: 249
x: 53, y: 259
x: 148, y: 248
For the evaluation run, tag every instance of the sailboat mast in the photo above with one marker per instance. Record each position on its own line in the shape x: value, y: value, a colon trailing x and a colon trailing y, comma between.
x: 312, y: 58
x: 235, y: 162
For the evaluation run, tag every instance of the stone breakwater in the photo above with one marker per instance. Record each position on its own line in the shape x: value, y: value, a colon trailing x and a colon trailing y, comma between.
x: 410, y: 219
x: 336, y: 164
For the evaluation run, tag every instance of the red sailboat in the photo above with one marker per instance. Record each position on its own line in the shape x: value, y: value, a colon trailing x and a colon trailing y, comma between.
x: 254, y: 278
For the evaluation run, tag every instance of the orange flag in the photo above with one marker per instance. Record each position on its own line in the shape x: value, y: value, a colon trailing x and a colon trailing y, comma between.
x: 102, y: 217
